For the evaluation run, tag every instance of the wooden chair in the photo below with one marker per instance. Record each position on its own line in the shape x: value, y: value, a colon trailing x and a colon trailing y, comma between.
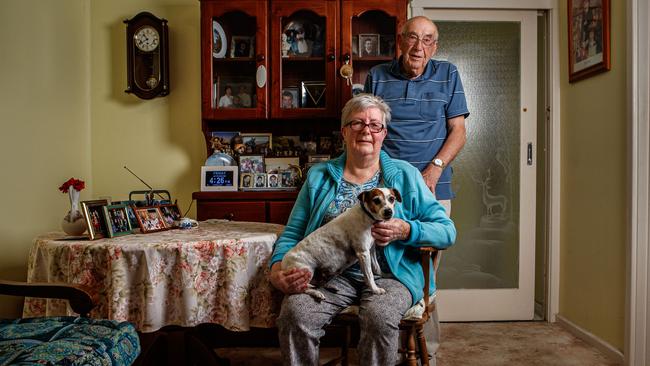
x: 415, y: 344
x: 98, y: 340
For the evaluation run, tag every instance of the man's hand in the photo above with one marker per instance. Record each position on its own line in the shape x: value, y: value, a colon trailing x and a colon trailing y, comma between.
x: 291, y: 281
x: 386, y: 231
x: 431, y: 174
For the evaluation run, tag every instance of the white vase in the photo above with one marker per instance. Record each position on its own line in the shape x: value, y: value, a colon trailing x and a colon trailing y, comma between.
x: 73, y: 223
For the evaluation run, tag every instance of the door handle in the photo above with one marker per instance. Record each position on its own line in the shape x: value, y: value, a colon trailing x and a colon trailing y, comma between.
x: 530, y: 153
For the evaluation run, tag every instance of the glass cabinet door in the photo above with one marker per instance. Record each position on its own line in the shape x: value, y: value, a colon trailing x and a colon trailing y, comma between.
x: 304, y: 52
x: 368, y: 37
x: 234, y: 54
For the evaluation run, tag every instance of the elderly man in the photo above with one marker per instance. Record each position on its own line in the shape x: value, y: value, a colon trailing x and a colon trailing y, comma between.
x: 428, y: 105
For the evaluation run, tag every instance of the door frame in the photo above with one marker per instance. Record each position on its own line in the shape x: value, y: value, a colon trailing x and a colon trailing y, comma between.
x: 554, y: 163
x: 637, y: 313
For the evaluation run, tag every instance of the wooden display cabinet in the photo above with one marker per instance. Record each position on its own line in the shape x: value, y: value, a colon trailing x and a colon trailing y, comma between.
x: 243, y: 46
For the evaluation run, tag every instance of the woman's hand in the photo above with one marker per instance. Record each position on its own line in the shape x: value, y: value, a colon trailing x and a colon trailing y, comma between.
x: 291, y: 281
x: 386, y: 231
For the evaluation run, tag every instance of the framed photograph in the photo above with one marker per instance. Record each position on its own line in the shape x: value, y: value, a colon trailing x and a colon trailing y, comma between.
x: 257, y: 143
x: 150, y: 219
x: 170, y: 213
x: 275, y: 165
x: 133, y: 221
x: 237, y: 95
x: 368, y: 45
x: 312, y: 94
x: 95, y: 218
x: 317, y: 158
x: 289, y: 98
x: 218, y: 178
x: 291, y: 177
x: 251, y: 164
x: 117, y: 220
x: 274, y: 180
x: 304, y: 38
x: 246, y: 180
x: 219, y: 44
x: 242, y: 46
x: 387, y: 45
x: 259, y: 180
x: 325, y: 144
x: 288, y: 144
x: 589, y: 52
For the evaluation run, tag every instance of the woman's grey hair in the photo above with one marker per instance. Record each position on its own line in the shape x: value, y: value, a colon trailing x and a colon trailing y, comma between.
x: 364, y: 101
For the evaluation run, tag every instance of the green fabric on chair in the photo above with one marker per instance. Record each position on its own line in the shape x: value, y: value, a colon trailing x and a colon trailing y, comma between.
x: 67, y: 340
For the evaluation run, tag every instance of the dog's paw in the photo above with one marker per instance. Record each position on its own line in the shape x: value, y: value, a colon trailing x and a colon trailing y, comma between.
x: 315, y: 294
x: 378, y: 291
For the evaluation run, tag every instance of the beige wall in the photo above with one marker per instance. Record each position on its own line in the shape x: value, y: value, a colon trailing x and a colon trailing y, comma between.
x: 44, y: 114
x: 594, y: 191
x: 64, y: 114
x: 159, y: 139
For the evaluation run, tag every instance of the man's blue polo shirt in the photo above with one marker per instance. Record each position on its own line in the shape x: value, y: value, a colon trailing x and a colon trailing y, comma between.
x: 420, y: 109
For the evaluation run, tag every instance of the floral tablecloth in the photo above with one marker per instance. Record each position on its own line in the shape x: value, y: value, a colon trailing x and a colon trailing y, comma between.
x: 216, y: 273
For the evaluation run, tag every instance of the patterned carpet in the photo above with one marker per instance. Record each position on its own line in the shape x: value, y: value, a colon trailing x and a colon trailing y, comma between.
x: 470, y: 344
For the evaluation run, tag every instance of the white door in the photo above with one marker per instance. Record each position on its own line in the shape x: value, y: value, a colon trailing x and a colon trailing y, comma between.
x: 489, y: 273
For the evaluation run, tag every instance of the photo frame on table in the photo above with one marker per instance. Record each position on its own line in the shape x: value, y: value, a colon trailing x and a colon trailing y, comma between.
x: 170, y: 213
x: 219, y: 42
x: 242, y: 46
x: 95, y: 217
x: 257, y: 143
x: 275, y: 165
x: 589, y: 38
x: 274, y: 180
x: 259, y: 180
x: 251, y: 164
x: 246, y: 180
x: 133, y: 221
x: 150, y: 219
x: 117, y: 220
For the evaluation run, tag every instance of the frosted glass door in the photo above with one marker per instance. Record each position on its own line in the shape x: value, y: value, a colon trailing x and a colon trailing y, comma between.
x: 489, y: 273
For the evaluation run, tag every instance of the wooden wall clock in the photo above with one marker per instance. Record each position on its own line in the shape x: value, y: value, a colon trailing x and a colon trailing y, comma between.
x: 147, y: 56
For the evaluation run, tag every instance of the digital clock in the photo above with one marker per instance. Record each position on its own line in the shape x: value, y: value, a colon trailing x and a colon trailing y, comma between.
x: 219, y: 178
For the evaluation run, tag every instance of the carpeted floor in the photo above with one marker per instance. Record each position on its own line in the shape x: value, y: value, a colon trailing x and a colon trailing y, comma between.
x: 484, y: 344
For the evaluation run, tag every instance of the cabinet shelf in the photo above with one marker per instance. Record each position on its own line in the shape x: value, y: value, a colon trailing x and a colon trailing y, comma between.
x: 373, y: 59
x: 233, y: 59
x: 302, y: 59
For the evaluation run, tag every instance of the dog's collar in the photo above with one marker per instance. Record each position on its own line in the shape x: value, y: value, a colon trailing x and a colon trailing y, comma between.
x: 365, y: 210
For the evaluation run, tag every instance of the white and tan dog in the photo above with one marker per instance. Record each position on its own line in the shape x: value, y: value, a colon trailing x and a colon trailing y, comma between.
x: 337, y: 245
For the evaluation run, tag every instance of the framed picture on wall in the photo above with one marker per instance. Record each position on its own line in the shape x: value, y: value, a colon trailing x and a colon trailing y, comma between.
x: 589, y: 52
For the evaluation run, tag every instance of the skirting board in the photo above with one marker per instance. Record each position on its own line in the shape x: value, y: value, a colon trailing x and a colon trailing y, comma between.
x: 604, y: 347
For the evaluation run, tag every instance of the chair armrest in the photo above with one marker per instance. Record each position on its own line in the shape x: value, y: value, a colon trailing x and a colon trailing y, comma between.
x: 80, y: 298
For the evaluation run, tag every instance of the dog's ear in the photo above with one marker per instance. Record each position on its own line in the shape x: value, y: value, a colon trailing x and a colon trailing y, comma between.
x: 398, y: 196
x: 362, y: 196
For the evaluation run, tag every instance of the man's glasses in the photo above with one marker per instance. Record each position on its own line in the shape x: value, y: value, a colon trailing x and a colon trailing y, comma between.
x: 374, y: 127
x: 412, y: 38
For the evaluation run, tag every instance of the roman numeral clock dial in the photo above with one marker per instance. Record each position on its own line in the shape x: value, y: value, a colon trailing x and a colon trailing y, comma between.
x: 147, y: 56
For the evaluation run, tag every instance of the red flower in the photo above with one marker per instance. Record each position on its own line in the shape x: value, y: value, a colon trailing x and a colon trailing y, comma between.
x: 77, y: 184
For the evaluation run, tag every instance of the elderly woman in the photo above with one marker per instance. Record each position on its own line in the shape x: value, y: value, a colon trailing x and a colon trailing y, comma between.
x: 332, y: 187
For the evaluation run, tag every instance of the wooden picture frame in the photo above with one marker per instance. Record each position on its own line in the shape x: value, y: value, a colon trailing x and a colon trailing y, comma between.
x: 170, y: 213
x: 95, y: 217
x: 150, y: 219
x: 117, y: 220
x: 257, y: 143
x: 251, y: 164
x: 589, y: 38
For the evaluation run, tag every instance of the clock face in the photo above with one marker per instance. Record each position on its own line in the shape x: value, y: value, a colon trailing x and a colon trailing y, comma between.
x: 146, y: 38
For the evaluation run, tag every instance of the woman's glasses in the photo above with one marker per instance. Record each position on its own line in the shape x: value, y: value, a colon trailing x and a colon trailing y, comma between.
x: 374, y: 127
x: 412, y: 38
